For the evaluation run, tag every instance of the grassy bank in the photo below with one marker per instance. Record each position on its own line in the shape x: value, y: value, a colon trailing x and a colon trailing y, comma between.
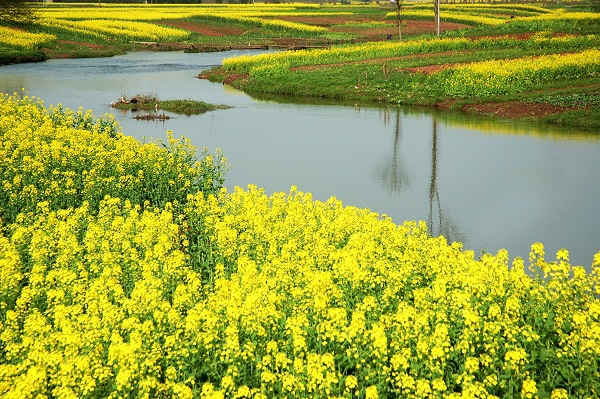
x: 456, y: 73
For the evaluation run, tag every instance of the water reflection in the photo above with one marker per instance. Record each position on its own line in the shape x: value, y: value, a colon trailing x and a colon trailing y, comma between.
x: 492, y: 125
x: 394, y: 176
x: 439, y: 223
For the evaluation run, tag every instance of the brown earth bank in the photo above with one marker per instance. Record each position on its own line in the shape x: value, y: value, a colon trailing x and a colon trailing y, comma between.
x: 515, y: 109
x: 73, y: 49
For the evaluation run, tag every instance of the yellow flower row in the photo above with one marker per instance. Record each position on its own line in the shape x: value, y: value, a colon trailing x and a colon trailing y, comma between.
x: 19, y: 38
x: 374, y: 50
x: 461, y: 17
x: 497, y: 8
x: 341, y: 53
x: 274, y: 23
x: 119, y: 29
x: 158, y: 12
x: 511, y: 76
x: 565, y: 16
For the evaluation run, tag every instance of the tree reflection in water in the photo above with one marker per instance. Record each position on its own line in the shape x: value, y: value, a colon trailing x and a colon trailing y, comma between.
x: 444, y: 225
x: 394, y: 175
x: 396, y: 178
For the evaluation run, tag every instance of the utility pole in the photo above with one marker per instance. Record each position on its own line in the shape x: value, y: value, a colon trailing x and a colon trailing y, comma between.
x: 436, y: 11
x: 399, y: 18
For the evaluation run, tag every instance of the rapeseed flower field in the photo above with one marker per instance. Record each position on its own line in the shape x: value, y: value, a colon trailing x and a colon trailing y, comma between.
x: 127, y: 271
x: 516, y: 75
x: 18, y: 38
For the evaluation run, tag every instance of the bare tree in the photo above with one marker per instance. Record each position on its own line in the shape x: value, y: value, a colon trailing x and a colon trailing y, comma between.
x: 16, y: 10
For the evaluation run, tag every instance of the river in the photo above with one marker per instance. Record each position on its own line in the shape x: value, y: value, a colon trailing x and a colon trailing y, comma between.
x: 489, y: 184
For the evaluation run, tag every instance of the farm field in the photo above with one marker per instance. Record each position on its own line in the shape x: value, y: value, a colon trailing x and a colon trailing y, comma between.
x: 128, y: 271
x: 414, y: 71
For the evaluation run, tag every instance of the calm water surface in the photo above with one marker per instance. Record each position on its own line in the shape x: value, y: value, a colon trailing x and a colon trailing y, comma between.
x: 489, y: 184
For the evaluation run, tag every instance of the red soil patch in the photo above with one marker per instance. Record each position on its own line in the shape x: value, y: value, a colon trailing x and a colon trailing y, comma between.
x: 515, y: 109
x: 375, y: 33
x: 64, y: 48
x: 230, y: 79
x: 81, y: 44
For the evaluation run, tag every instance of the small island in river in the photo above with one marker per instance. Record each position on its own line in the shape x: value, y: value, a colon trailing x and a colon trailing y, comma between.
x: 151, y: 103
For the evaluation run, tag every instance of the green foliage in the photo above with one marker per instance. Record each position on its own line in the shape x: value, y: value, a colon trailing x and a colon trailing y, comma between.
x: 13, y: 56
x: 570, y: 100
x: 189, y: 107
x: 588, y: 117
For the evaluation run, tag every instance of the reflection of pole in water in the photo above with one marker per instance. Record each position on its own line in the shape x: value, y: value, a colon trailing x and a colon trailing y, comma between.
x: 446, y: 226
x: 393, y: 175
x: 433, y: 191
x: 386, y: 116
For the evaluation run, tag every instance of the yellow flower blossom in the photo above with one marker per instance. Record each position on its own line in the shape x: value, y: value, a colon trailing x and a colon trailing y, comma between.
x: 559, y: 393
x: 371, y: 392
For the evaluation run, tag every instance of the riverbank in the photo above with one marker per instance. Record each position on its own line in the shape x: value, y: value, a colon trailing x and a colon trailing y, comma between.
x: 574, y: 105
x: 509, y: 32
x: 432, y: 74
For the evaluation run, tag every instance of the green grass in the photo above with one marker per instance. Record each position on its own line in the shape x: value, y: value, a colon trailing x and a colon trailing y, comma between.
x: 10, y: 55
x: 586, y: 118
x: 570, y: 100
x: 586, y: 107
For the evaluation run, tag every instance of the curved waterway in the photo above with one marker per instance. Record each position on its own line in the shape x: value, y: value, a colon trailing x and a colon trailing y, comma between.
x: 488, y: 184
